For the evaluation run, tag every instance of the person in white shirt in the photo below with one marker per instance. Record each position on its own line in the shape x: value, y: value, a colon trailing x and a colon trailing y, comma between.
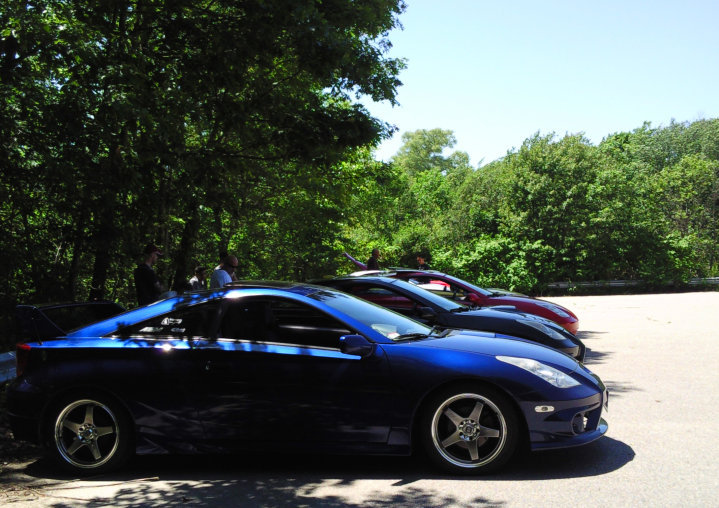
x: 199, y: 281
x: 223, y: 273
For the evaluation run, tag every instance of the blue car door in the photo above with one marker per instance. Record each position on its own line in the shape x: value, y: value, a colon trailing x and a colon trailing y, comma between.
x: 276, y: 376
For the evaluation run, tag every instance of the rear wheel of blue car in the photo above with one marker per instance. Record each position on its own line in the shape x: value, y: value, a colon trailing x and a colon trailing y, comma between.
x: 469, y: 429
x: 89, y: 434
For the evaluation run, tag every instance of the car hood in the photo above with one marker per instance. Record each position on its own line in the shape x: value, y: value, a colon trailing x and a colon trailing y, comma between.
x: 518, y: 300
x: 495, y: 345
x: 505, y: 292
x: 506, y: 313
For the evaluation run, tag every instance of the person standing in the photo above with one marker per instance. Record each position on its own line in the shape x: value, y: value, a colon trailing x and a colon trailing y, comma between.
x: 199, y: 281
x: 223, y: 274
x: 223, y: 256
x: 422, y: 263
x: 373, y: 261
x: 147, y: 284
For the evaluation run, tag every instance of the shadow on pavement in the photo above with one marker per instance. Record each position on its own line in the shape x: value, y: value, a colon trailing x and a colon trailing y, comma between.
x: 593, y: 357
x: 585, y: 335
x: 618, y: 388
x: 600, y: 457
x: 318, y: 481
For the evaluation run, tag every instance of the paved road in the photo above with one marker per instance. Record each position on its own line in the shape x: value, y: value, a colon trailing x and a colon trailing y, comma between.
x: 657, y: 353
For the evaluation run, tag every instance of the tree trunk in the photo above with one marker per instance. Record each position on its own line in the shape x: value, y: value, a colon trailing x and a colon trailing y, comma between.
x: 103, y: 241
x: 103, y: 244
x: 183, y: 256
x: 223, y: 242
x: 77, y: 249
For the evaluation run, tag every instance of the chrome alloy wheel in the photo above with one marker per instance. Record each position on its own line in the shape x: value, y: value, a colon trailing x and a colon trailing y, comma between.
x: 87, y: 434
x: 468, y: 430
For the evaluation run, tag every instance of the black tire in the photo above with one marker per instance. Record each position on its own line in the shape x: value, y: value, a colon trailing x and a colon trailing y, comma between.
x: 88, y: 434
x: 469, y: 429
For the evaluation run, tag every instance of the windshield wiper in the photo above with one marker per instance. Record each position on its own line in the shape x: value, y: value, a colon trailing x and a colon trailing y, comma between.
x: 410, y: 336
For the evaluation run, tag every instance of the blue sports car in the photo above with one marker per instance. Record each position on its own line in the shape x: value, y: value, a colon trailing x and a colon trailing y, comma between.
x: 281, y: 367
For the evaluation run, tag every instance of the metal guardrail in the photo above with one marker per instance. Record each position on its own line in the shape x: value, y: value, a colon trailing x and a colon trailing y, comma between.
x: 709, y: 281
x: 712, y: 281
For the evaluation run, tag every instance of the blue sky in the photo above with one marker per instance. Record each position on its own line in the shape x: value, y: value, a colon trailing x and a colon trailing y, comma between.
x: 496, y: 72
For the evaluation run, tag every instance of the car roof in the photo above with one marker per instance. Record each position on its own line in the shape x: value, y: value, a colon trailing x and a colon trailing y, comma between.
x: 393, y: 270
x: 191, y: 298
x: 267, y: 284
x: 378, y: 277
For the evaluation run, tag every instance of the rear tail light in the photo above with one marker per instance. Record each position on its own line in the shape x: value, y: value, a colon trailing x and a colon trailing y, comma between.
x: 22, y: 356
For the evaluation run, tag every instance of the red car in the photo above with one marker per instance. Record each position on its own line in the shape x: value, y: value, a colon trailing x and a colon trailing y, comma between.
x: 464, y: 292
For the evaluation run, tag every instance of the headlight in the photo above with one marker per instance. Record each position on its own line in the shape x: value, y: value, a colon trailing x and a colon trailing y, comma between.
x: 548, y: 330
x: 554, y: 308
x: 549, y: 374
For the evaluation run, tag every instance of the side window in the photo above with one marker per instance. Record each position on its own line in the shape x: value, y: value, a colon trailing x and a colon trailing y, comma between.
x: 382, y: 296
x: 246, y: 319
x: 281, y: 321
x: 195, y: 321
x: 375, y: 291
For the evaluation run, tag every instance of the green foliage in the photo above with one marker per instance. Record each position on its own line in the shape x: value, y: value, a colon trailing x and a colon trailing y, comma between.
x: 216, y: 126
x: 204, y: 127
x: 489, y: 261
x: 640, y: 205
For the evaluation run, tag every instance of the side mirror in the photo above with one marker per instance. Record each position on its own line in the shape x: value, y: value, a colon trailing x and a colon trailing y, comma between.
x: 356, y: 345
x: 474, y: 298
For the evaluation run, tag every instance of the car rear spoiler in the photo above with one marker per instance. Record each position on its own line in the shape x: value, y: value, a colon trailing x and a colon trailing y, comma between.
x: 35, y: 326
x: 39, y: 323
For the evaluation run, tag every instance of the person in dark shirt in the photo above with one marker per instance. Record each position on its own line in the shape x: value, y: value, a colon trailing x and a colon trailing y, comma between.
x: 147, y: 283
x: 422, y: 263
x: 373, y: 261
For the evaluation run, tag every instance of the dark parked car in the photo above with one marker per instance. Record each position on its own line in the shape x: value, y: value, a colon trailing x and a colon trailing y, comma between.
x: 278, y: 367
x: 41, y: 322
x: 465, y: 292
x: 47, y: 321
x: 427, y: 307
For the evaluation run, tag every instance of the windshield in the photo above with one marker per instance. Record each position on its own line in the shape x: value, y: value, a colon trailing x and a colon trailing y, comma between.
x: 435, y: 299
x: 471, y: 286
x: 390, y: 324
x: 453, y: 281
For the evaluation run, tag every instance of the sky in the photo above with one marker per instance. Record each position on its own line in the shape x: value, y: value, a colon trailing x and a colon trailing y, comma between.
x: 497, y: 72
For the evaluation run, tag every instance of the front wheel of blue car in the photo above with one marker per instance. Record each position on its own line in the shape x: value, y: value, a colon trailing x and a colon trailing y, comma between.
x: 469, y: 429
x: 89, y: 435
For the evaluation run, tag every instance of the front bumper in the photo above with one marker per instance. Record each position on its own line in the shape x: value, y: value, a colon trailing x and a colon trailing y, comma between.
x: 564, y: 424
x: 24, y: 410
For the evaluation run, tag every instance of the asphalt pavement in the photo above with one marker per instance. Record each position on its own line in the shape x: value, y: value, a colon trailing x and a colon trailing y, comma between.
x: 656, y: 353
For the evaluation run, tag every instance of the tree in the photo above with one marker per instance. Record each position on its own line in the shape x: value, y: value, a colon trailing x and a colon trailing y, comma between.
x: 131, y: 121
